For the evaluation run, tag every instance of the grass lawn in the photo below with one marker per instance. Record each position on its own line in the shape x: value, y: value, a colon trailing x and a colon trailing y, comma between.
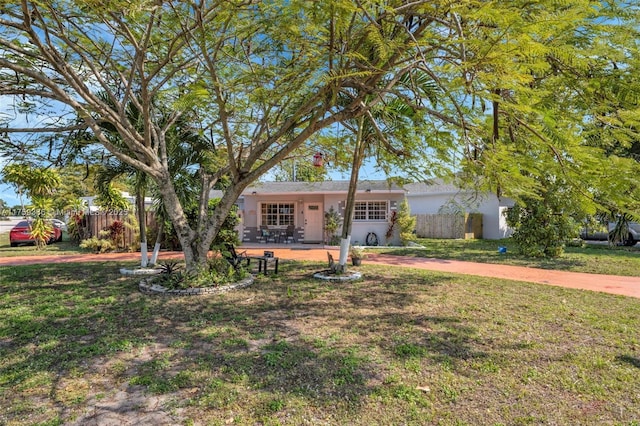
x: 589, y: 257
x: 80, y: 344
x: 61, y: 248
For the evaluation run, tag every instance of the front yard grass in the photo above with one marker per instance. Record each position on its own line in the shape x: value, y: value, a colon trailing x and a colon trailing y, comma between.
x: 591, y: 258
x: 80, y: 344
x: 61, y: 248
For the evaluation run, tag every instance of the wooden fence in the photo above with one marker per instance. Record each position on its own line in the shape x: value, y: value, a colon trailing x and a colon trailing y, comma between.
x: 99, y: 221
x: 449, y: 226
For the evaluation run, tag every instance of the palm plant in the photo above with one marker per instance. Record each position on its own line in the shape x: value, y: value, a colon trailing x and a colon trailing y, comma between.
x: 384, y: 130
x: 41, y: 229
x: 180, y: 162
x: 39, y: 184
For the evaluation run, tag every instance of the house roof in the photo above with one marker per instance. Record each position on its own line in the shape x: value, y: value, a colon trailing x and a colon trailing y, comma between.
x: 436, y: 187
x: 331, y: 186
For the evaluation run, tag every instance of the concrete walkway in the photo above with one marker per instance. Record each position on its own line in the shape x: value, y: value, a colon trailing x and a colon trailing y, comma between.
x: 626, y: 286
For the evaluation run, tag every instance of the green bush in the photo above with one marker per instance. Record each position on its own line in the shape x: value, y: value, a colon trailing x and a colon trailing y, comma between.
x: 407, y: 223
x: 97, y: 245
x: 331, y: 225
x: 77, y: 227
x: 217, y: 272
x: 541, y: 225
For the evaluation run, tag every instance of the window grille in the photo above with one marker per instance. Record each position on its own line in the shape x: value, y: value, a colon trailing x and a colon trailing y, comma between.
x: 277, y: 214
x: 370, y: 211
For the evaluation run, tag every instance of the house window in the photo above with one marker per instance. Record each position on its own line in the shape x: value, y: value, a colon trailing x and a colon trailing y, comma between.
x: 370, y: 210
x: 277, y: 214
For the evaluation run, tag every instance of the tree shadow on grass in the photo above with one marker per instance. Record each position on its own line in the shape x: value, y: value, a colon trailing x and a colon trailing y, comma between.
x: 286, y: 335
x: 633, y: 361
x: 324, y: 375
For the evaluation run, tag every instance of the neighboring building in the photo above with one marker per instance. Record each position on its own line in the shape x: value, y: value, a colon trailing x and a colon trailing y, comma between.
x: 443, y: 198
x: 302, y: 205
x: 89, y: 201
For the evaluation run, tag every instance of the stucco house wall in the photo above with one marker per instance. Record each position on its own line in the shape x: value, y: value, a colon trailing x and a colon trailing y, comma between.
x: 326, y: 195
x: 423, y: 199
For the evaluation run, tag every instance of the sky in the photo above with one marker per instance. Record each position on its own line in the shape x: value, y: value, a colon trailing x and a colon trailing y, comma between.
x: 7, y: 192
x: 367, y: 172
x: 8, y: 195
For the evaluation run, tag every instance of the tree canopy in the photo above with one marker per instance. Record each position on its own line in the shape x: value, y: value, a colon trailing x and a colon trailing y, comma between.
x: 503, y: 90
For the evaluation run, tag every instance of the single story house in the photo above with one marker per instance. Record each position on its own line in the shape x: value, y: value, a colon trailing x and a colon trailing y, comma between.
x: 300, y: 206
x: 273, y: 207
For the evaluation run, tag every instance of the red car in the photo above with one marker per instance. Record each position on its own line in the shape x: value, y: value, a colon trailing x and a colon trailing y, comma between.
x: 21, y: 233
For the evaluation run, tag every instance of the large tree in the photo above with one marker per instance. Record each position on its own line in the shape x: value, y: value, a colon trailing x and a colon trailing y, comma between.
x: 261, y: 78
x: 558, y: 113
x: 389, y: 129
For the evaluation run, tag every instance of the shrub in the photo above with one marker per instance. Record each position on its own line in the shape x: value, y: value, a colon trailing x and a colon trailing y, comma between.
x: 97, y: 245
x: 541, y: 228
x: 331, y: 225
x: 407, y: 223
x: 170, y: 266
x: 116, y: 233
x: 357, y: 252
x: 41, y: 229
x: 217, y: 271
x: 131, y: 223
x: 41, y: 232
x: 77, y: 227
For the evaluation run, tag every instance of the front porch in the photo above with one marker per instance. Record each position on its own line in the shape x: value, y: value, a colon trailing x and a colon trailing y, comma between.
x: 286, y: 213
x: 273, y: 234
x: 251, y: 245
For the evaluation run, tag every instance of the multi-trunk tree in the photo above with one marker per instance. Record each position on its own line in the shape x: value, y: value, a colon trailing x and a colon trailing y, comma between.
x: 260, y: 78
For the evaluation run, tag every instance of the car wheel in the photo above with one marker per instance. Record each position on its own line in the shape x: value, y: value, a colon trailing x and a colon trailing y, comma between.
x: 14, y: 244
x: 629, y: 242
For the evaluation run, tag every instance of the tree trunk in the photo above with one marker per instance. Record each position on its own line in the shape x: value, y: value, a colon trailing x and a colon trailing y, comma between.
x: 186, y: 235
x: 347, y: 223
x: 142, y: 227
x: 196, y: 242
x: 156, y: 247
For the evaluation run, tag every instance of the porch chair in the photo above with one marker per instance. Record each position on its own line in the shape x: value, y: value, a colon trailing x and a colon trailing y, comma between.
x: 289, y: 234
x: 264, y: 234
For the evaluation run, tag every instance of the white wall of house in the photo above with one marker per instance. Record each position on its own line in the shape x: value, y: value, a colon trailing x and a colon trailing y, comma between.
x: 423, y: 199
x: 89, y: 201
x: 503, y: 229
x: 437, y: 199
x: 361, y: 229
